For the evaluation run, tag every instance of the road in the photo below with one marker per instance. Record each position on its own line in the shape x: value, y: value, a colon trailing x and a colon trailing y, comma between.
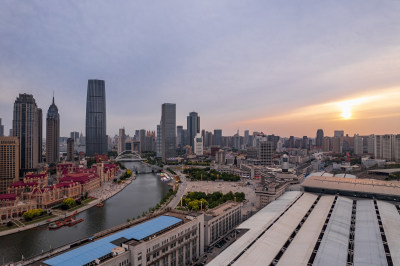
x: 181, y: 190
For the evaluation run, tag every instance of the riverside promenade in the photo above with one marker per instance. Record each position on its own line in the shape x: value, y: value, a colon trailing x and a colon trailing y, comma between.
x: 106, y: 191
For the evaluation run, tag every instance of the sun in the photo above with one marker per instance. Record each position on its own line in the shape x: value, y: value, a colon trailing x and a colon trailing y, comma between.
x: 346, y: 112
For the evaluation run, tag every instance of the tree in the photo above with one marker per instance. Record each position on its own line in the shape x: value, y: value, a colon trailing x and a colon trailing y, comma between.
x: 29, y: 215
x: 70, y: 202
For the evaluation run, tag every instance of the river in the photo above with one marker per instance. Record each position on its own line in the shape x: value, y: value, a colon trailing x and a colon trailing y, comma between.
x: 144, y: 192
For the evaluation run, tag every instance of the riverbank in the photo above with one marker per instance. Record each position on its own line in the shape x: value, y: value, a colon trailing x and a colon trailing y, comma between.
x: 106, y: 191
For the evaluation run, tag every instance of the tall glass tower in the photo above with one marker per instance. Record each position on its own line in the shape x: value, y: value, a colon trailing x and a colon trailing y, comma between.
x: 320, y: 138
x: 96, y: 138
x: 168, y: 131
x: 52, y: 134
x: 27, y: 127
x: 193, y: 127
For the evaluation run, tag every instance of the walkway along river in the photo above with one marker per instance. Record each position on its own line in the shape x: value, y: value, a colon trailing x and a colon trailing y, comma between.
x: 144, y: 192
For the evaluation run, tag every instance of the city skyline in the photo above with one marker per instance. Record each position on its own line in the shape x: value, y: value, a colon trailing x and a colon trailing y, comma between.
x: 265, y: 67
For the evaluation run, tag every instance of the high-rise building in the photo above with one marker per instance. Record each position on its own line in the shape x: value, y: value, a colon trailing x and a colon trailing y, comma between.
x: 396, y: 148
x: 338, y: 133
x: 265, y: 151
x: 1, y: 129
x: 9, y: 162
x: 149, y: 142
x: 52, y: 134
x: 290, y: 142
x: 236, y: 141
x: 198, y: 145
x: 326, y: 146
x: 371, y: 144
x: 210, y: 137
x: 218, y: 137
x: 168, y: 127
x: 185, y: 140
x: 70, y: 149
x: 337, y: 145
x: 96, y: 137
x: 220, y: 156
x: 246, y: 138
x: 75, y: 136
x: 384, y: 147
x: 193, y: 127
x: 358, y: 144
x: 179, y: 136
x: 304, y: 143
x: 40, y: 135
x: 159, y: 141
x: 320, y: 138
x: 26, y: 128
x: 207, y: 138
x: 121, y: 140
x: 142, y: 139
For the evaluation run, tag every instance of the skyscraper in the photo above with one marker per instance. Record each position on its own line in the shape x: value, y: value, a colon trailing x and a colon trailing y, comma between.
x: 198, y: 145
x: 384, y: 147
x: 1, y: 129
x: 338, y: 133
x: 179, y: 136
x: 40, y: 134
x: 96, y: 138
x: 75, y: 136
x: 218, y: 137
x: 320, y: 138
x: 246, y: 138
x: 168, y: 127
x: 70, y: 149
x: 26, y: 128
x: 304, y: 143
x: 52, y: 134
x: 159, y: 141
x: 265, y: 151
x: 358, y: 144
x: 193, y: 127
x: 9, y: 162
x: 142, y: 139
x: 121, y: 140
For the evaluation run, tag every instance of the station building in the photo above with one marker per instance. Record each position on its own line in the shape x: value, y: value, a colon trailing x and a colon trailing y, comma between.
x: 313, y: 229
x: 220, y: 220
x: 173, y: 238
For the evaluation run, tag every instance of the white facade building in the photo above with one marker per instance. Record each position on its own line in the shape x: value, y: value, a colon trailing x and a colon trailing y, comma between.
x: 198, y: 145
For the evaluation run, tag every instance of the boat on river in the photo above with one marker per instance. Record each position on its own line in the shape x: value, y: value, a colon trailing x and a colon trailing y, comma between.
x: 73, y: 222
x: 56, y: 225
x: 100, y: 204
x: 69, y: 221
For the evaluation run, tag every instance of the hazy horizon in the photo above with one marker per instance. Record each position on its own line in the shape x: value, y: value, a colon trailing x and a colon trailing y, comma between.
x: 283, y: 68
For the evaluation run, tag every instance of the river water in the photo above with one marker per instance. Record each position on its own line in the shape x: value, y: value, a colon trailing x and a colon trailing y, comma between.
x: 144, y: 192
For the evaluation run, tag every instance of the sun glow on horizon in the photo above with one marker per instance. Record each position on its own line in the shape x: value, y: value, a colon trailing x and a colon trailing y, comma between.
x: 346, y: 112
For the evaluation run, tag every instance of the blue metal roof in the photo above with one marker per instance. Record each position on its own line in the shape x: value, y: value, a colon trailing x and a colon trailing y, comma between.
x: 103, y: 246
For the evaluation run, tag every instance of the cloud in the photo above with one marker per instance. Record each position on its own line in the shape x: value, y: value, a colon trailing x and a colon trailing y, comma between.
x: 228, y: 60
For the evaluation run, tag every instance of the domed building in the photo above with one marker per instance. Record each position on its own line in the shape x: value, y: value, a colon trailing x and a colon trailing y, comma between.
x: 52, y: 134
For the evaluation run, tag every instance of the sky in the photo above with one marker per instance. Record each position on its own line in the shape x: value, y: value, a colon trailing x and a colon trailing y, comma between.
x: 280, y: 67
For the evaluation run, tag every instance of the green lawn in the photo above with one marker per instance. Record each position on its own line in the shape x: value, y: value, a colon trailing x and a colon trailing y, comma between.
x: 39, y: 219
x: 84, y: 203
x: 4, y: 227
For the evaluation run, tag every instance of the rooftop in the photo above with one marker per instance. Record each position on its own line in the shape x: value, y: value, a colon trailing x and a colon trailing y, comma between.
x: 104, y: 246
x: 385, y: 171
x: 310, y: 229
x: 370, y: 186
x: 222, y: 208
x: 8, y: 196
